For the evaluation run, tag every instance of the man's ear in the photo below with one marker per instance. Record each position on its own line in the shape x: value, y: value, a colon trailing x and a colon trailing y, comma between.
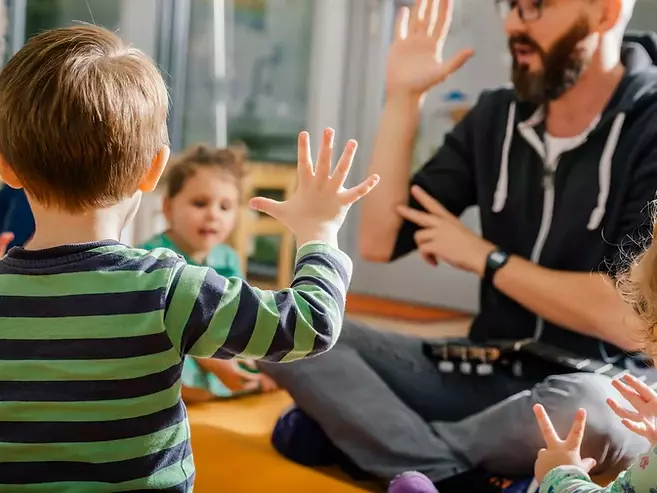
x: 7, y: 174
x: 610, y: 14
x: 152, y: 176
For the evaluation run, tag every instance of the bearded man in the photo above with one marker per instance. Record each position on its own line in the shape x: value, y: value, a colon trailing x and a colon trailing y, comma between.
x: 562, y: 167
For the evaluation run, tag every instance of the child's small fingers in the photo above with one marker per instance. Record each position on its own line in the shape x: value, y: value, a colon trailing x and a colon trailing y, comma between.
x: 359, y: 191
x: 629, y: 393
x: 645, y: 392
x: 588, y: 464
x: 304, y: 157
x: 550, y: 435
x: 344, y: 164
x: 323, y: 166
x: 267, y: 206
x: 576, y: 434
x: 637, y: 428
x: 623, y: 413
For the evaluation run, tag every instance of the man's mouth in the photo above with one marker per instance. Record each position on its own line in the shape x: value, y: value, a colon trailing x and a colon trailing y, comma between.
x: 523, y: 53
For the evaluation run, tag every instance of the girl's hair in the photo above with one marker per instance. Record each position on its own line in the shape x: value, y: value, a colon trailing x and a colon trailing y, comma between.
x: 184, y: 166
x: 637, y: 285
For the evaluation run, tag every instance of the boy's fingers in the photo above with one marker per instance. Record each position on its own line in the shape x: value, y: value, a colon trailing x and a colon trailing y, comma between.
x: 576, y: 434
x: 304, y: 157
x: 323, y: 166
x: 550, y: 436
x: 270, y: 207
x: 359, y: 191
x: 344, y: 164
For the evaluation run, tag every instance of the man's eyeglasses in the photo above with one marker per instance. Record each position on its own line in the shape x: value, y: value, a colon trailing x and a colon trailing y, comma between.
x: 528, y: 10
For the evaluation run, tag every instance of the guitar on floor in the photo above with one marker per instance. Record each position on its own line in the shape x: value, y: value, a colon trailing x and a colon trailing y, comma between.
x: 483, y: 359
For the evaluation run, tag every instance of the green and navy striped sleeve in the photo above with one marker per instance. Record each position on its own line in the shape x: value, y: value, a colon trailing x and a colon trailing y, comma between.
x: 207, y: 315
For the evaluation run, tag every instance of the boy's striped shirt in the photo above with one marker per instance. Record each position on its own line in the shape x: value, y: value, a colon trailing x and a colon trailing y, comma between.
x: 91, y: 344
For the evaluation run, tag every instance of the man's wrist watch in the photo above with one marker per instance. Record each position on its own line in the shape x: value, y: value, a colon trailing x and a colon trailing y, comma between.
x: 494, y: 262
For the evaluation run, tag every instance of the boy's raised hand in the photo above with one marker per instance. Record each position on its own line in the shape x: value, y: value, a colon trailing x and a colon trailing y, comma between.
x: 641, y: 420
x: 319, y: 205
x: 560, y: 452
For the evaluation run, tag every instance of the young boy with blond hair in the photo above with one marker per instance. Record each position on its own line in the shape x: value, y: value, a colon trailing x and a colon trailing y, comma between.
x: 92, y: 332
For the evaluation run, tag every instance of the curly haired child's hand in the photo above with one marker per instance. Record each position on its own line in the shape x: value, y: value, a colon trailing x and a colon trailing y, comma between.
x: 560, y: 452
x: 319, y: 205
x: 642, y: 420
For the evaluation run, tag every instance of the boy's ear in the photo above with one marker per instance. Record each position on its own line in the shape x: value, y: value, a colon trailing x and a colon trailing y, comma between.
x: 7, y: 174
x: 152, y: 176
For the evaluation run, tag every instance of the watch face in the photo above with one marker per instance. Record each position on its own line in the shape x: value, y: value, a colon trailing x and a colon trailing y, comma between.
x: 497, y: 257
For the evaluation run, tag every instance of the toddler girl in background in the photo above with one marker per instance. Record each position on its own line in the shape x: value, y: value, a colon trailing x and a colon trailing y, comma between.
x: 201, y: 205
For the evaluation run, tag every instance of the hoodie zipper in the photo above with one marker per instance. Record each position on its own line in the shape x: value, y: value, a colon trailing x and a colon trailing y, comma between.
x: 549, y: 170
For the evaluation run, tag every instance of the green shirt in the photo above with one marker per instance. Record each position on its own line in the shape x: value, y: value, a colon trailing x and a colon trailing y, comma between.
x: 221, y: 258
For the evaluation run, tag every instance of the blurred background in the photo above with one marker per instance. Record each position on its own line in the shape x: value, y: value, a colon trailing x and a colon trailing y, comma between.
x: 260, y: 71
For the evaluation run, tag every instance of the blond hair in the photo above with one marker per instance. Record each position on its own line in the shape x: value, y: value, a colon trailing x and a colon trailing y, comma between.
x: 637, y: 285
x: 82, y: 116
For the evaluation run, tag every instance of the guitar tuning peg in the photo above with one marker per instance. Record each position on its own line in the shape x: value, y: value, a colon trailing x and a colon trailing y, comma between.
x: 446, y: 366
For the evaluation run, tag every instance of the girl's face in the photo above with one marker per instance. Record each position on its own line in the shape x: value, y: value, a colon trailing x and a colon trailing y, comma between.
x: 203, y: 214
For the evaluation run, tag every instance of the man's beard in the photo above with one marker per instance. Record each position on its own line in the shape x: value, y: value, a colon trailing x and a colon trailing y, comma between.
x: 562, y: 66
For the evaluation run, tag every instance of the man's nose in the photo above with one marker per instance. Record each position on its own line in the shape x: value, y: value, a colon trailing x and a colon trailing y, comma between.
x: 513, y: 24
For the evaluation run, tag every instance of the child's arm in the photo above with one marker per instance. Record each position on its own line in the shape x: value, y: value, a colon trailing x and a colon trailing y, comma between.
x: 209, y: 315
x: 642, y: 476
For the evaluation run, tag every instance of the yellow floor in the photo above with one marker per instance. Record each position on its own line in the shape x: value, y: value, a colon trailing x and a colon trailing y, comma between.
x: 232, y: 453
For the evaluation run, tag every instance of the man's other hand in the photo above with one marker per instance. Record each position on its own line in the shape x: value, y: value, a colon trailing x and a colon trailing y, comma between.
x: 444, y: 237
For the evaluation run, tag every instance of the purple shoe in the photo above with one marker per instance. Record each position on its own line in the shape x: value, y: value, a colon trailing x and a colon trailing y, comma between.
x: 411, y: 482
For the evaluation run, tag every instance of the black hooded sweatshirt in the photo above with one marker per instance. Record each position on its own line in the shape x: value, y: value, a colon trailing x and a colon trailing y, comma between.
x: 573, y: 214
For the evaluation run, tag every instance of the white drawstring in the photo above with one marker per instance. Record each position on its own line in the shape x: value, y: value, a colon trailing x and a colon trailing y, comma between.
x: 604, y: 172
x: 502, y: 188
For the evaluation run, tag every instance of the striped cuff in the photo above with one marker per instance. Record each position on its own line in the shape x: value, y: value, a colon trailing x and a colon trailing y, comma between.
x: 318, y: 247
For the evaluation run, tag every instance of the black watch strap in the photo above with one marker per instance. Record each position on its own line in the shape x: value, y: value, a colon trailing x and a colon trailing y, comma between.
x: 495, y: 261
